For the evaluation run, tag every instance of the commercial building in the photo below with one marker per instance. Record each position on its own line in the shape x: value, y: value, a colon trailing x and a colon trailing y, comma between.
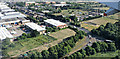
x: 29, y: 3
x: 4, y: 33
x: 60, y: 5
x: 55, y: 23
x: 8, y: 15
x: 34, y: 26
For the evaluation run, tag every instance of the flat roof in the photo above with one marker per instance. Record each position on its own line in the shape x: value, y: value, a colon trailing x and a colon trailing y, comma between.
x: 4, y: 33
x: 60, y: 4
x: 7, y: 10
x: 54, y: 22
x: 1, y: 15
x: 35, y: 26
x: 4, y: 8
x: 12, y: 16
x: 12, y: 13
x: 45, y: 11
x: 30, y: 2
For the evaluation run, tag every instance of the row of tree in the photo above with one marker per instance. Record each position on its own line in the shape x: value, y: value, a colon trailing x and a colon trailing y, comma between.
x: 109, y: 31
x: 33, y: 33
x: 97, y: 47
x: 90, y: 18
x: 59, y: 50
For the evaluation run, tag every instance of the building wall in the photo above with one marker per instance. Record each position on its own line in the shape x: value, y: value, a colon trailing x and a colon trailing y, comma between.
x: 42, y: 32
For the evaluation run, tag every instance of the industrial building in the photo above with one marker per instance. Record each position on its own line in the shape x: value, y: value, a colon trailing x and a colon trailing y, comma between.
x: 55, y: 23
x: 34, y: 26
x: 60, y: 5
x: 10, y: 16
x: 4, y: 33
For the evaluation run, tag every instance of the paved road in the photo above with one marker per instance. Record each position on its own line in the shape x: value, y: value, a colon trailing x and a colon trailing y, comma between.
x: 79, y: 28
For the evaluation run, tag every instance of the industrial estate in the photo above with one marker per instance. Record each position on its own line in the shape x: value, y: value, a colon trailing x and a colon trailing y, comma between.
x: 59, y: 30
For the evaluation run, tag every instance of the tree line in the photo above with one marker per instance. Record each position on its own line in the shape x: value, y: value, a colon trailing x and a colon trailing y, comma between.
x: 109, y: 31
x: 59, y: 50
x: 97, y: 47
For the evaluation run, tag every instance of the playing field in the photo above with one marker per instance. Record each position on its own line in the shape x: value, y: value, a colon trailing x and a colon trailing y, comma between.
x: 62, y: 34
x: 92, y: 24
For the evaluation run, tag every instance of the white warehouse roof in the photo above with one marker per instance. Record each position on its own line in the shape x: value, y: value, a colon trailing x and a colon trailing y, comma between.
x: 35, y: 27
x: 54, y: 22
x: 4, y: 8
x: 12, y: 13
x: 4, y: 33
x: 1, y: 15
x: 7, y: 10
x: 12, y: 16
x: 60, y: 4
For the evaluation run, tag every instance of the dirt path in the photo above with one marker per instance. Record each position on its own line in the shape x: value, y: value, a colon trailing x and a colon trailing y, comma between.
x: 42, y: 47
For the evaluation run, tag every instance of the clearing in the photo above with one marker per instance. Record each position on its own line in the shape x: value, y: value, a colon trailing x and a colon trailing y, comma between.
x: 71, y: 11
x: 95, y: 23
x: 62, y: 34
x: 28, y: 43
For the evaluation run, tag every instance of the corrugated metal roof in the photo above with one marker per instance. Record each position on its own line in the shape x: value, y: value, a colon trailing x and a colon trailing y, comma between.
x: 12, y: 13
x: 35, y: 26
x: 4, y: 33
x: 54, y: 22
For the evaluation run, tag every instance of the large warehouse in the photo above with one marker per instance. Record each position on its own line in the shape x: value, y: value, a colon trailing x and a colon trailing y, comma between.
x: 4, y: 33
x: 8, y: 15
x: 55, y: 23
x: 34, y: 26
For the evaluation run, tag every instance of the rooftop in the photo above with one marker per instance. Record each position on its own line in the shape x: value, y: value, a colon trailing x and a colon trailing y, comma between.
x: 4, y: 33
x: 54, y: 22
x: 35, y: 26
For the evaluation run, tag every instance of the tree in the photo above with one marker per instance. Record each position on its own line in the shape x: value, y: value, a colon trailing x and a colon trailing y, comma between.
x: 34, y: 33
x: 90, y: 50
x: 96, y: 46
x: 103, y: 46
x: 45, y: 53
x: 79, y: 55
x: 75, y: 55
x: 83, y: 52
x: 111, y: 47
x: 65, y: 50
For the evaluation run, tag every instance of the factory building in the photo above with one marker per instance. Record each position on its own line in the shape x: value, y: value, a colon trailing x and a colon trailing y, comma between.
x: 9, y: 16
x: 4, y: 33
x: 55, y: 23
x: 33, y: 26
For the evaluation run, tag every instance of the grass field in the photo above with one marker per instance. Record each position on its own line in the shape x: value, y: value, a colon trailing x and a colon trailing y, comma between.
x: 62, y: 34
x: 67, y: 12
x: 98, y: 22
x: 29, y: 43
x: 101, y: 8
x: 108, y: 54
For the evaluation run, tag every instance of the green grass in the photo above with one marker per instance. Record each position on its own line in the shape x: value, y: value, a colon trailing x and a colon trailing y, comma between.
x: 102, y: 20
x: 101, y: 8
x: 62, y: 34
x: 108, y: 54
x: 98, y: 21
x: 29, y: 43
x: 66, y: 12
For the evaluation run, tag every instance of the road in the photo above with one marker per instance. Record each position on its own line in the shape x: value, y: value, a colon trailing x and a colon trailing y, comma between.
x: 88, y: 41
x: 79, y: 28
